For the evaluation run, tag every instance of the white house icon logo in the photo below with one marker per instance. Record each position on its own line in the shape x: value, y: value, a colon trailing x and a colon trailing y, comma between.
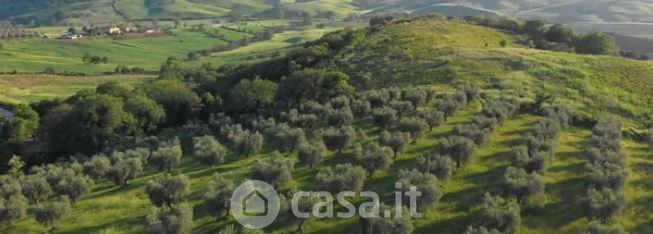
x: 255, y: 204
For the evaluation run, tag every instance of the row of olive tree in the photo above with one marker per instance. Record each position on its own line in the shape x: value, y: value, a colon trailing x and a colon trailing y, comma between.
x: 607, y: 171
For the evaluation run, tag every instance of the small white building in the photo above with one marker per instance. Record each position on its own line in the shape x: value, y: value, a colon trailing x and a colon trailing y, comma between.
x: 73, y: 36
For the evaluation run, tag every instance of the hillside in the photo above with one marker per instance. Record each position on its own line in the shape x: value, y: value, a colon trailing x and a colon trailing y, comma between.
x: 397, y: 60
x: 450, y: 52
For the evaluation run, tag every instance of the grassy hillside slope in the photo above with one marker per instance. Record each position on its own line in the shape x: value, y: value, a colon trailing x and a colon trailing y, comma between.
x: 436, y: 51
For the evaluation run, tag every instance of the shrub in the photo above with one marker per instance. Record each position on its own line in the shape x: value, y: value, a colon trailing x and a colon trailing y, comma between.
x: 460, y: 149
x: 167, y: 156
x: 336, y: 139
x: 9, y: 186
x: 414, y: 126
x: 521, y: 184
x: 125, y: 170
x: 426, y: 183
x: 275, y: 170
x: 49, y: 214
x: 35, y: 188
x: 603, y: 203
x: 208, y: 150
x: 177, y: 219
x: 342, y: 177
x: 442, y: 167
x: 373, y: 157
x: 397, y: 141
x: 167, y: 189
x: 311, y: 153
x: 218, y: 195
x: 501, y: 214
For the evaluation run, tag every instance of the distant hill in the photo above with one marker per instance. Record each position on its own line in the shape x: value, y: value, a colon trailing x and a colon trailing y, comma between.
x: 91, y: 11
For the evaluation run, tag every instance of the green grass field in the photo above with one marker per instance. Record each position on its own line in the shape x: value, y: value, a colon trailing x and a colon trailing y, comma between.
x: 31, y: 88
x: 32, y: 56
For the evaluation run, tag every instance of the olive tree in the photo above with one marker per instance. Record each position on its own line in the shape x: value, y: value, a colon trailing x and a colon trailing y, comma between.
x: 340, y: 117
x: 12, y: 208
x: 607, y: 174
x: 35, y: 188
x: 208, y: 150
x: 500, y: 213
x: 522, y: 184
x: 167, y: 189
x: 427, y: 184
x: 342, y: 177
x: 384, y: 117
x: 361, y: 108
x: 374, y: 157
x: 74, y: 186
x: 416, y: 97
x: 125, y: 170
x: 177, y: 219
x: 441, y: 166
x: 218, y: 195
x: 97, y: 167
x: 288, y: 138
x: 530, y: 161
x: 397, y: 224
x: 472, y: 131
x: 337, y: 139
x: 167, y: 156
x: 603, y: 203
x: 311, y: 153
x: 432, y: 117
x: 415, y: 126
x: 48, y: 214
x: 275, y: 170
x: 460, y: 149
x: 397, y: 141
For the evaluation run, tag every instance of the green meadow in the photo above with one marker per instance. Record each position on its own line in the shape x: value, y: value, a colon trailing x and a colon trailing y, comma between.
x: 148, y: 52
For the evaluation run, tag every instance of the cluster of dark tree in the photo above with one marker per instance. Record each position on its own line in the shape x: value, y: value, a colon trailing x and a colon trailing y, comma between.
x: 607, y: 171
x: 94, y: 59
x: 556, y: 37
x: 122, y: 69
